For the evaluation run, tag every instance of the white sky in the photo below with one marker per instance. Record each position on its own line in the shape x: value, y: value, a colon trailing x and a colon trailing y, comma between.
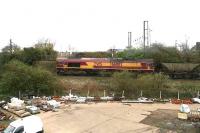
x: 88, y: 25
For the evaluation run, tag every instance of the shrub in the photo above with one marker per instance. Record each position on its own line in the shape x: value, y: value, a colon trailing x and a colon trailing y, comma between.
x: 28, y: 80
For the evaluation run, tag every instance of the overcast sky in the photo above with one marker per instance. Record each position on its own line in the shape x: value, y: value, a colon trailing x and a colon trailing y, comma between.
x: 87, y: 25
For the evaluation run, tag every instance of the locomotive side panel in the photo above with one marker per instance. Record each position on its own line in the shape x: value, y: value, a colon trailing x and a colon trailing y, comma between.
x: 97, y: 64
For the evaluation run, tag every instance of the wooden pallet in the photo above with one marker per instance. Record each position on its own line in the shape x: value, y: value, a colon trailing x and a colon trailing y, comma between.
x: 194, y: 116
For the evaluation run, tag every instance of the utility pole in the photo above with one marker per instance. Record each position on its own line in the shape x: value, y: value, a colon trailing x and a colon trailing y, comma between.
x: 145, y: 35
x: 129, y: 39
x: 11, y: 46
x: 176, y: 44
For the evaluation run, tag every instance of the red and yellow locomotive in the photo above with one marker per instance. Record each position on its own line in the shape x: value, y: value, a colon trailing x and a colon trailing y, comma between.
x: 103, y: 64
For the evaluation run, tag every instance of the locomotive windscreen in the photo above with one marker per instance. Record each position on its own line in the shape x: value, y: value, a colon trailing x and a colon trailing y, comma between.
x: 73, y: 64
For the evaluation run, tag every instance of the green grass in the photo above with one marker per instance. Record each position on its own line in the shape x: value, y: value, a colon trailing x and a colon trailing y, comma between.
x: 96, y: 85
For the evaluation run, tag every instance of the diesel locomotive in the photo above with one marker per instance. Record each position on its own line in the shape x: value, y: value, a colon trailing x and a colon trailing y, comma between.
x: 64, y: 65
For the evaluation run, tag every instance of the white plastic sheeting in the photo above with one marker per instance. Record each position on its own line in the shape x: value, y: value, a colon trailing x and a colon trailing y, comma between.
x: 184, y: 108
x: 54, y: 103
x: 81, y: 100
x: 16, y: 103
x: 106, y: 98
x: 196, y: 100
x: 70, y: 97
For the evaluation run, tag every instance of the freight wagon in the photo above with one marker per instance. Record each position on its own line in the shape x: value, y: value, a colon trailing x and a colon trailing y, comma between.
x: 64, y: 65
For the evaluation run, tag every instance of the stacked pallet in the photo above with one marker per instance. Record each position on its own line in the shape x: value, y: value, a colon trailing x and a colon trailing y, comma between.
x: 4, y: 119
x: 194, y: 116
x: 17, y: 107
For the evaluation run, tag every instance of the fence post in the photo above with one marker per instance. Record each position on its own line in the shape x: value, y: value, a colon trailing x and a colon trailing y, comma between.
x: 160, y: 95
x: 19, y: 95
x: 178, y: 95
x: 122, y: 93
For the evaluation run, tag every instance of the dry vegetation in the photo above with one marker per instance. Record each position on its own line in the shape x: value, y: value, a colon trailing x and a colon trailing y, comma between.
x: 151, y: 85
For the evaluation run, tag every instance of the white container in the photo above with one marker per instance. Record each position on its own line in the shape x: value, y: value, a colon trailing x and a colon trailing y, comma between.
x: 184, y: 108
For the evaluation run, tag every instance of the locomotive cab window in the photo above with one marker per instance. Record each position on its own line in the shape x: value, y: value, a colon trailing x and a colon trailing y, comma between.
x: 73, y: 64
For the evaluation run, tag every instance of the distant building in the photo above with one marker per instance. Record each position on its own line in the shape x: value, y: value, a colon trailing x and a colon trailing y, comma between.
x: 115, y: 50
x: 198, y: 46
x: 63, y: 54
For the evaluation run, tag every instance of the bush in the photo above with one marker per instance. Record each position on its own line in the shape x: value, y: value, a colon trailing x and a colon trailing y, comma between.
x: 123, y: 81
x: 132, y: 84
x: 27, y: 80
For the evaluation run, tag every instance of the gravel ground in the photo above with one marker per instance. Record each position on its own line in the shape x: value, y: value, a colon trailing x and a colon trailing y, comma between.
x: 167, y: 121
x: 104, y: 118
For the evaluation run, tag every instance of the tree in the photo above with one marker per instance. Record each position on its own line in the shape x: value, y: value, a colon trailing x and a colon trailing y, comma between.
x: 130, y: 54
x: 19, y: 77
x: 8, y: 53
x: 46, y: 48
x: 30, y: 55
x: 11, y: 48
x: 91, y: 55
x: 45, y: 44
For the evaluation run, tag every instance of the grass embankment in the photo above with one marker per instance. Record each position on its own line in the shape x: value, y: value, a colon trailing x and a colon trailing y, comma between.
x: 81, y: 84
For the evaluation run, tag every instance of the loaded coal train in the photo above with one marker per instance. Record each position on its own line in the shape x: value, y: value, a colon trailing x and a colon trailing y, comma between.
x: 95, y: 65
x: 103, y: 64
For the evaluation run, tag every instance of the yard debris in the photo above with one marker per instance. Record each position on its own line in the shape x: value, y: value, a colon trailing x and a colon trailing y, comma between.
x: 106, y: 98
x: 57, y: 98
x: 4, y: 119
x: 53, y: 103
x: 194, y: 116
x: 182, y: 116
x: 89, y: 98
x: 45, y: 108
x: 187, y: 114
x: 139, y: 100
x: 184, y: 108
x: 16, y: 104
x: 81, y: 100
x: 33, y: 109
x: 17, y: 107
x: 2, y: 103
x: 70, y: 97
x: 2, y: 127
x: 196, y: 100
x: 161, y: 100
x: 179, y: 101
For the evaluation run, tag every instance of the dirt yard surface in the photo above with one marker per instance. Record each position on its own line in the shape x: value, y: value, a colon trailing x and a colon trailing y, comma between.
x: 105, y: 118
x: 167, y: 120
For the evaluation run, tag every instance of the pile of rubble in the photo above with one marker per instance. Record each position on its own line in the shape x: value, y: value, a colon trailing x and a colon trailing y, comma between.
x: 187, y: 114
x: 45, y: 103
x: 17, y: 107
x: 4, y: 117
x: 23, y: 108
